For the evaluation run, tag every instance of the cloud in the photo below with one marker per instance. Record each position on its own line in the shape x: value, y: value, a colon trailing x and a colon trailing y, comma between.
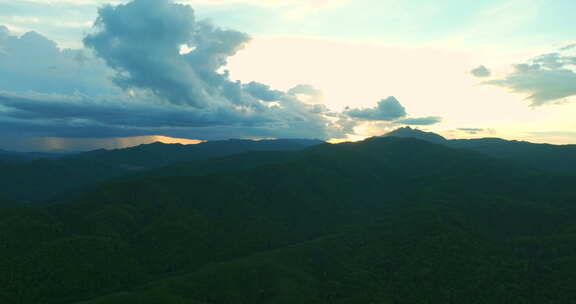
x: 71, y: 2
x: 63, y: 21
x: 117, y: 111
x: 57, y: 115
x: 420, y: 121
x: 134, y: 81
x: 548, y: 78
x: 312, y: 94
x: 555, y: 60
x: 141, y: 40
x: 32, y: 62
x: 388, y: 109
x: 4, y: 33
x: 471, y: 130
x: 481, y: 71
x: 263, y: 91
x: 568, y: 47
x: 315, y: 4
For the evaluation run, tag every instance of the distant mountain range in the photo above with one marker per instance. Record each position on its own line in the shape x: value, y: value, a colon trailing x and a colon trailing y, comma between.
x: 20, y: 157
x: 31, y: 177
x: 35, y: 177
x: 557, y: 158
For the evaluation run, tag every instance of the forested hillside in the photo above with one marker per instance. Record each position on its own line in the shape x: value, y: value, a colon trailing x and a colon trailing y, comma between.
x: 12, y: 157
x: 386, y: 220
x: 42, y: 178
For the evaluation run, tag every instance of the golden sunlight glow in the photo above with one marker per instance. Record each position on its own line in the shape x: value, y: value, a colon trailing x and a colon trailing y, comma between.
x: 174, y: 140
x: 85, y: 144
x: 350, y: 138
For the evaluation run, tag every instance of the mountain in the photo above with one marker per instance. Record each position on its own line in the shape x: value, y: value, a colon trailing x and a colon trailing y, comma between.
x: 42, y: 178
x: 385, y: 220
x: 557, y: 158
x: 419, y: 134
x: 20, y: 157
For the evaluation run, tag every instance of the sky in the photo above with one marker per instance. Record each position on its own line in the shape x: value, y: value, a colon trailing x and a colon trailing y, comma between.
x: 87, y: 74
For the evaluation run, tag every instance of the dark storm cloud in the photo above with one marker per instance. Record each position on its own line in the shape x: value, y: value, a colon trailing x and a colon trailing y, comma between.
x: 481, y: 71
x: 142, y: 40
x: 388, y: 109
x: 112, y: 111
x: 263, y: 91
x: 81, y: 116
x: 156, y: 90
x: 420, y: 121
x: 151, y: 68
x: 548, y: 78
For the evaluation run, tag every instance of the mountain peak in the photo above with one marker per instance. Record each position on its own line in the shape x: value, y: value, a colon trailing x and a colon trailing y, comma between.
x: 416, y: 133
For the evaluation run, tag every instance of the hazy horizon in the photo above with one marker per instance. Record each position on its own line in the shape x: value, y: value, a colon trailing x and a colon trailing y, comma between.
x: 75, y: 145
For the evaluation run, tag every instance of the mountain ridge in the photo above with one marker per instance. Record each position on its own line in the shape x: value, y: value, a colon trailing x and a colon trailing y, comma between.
x: 556, y: 158
x: 39, y: 179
